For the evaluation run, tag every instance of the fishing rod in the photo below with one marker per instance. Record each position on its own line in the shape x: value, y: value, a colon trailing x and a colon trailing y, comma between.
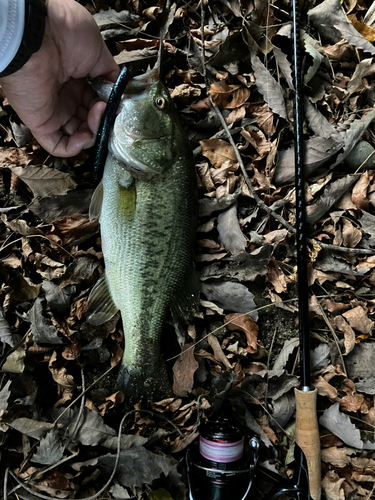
x: 307, y: 429
x: 307, y: 480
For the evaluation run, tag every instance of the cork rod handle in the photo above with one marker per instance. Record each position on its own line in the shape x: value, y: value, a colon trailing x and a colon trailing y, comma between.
x: 307, y: 437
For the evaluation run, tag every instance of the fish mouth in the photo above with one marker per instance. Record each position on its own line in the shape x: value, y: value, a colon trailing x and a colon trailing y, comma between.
x: 137, y: 136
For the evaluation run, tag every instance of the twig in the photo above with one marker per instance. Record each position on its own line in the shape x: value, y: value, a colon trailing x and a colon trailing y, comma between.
x: 334, y: 337
x: 156, y: 414
x: 83, y: 392
x: 102, y: 490
x: 78, y: 419
x: 5, y: 488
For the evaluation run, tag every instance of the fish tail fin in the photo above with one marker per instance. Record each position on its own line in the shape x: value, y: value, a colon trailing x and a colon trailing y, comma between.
x: 148, y: 382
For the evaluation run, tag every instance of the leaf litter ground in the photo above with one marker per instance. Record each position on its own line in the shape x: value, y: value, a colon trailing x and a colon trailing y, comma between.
x: 228, y: 69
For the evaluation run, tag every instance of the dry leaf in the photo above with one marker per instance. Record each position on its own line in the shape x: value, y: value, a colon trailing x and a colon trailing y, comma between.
x: 332, y: 486
x: 60, y: 375
x: 325, y: 389
x: 246, y: 325
x: 218, y: 351
x: 217, y: 151
x: 351, y: 235
x: 349, y: 335
x: 228, y: 96
x: 338, y: 457
x: 365, y: 30
x: 352, y: 401
x: 73, y: 228
x: 183, y: 371
x: 270, y: 89
x: 230, y: 234
x: 359, y: 192
x: 276, y: 277
x: 44, y: 181
x: 358, y: 319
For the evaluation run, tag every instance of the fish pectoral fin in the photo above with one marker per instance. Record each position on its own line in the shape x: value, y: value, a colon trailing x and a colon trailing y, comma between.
x: 100, y: 305
x: 96, y: 202
x: 186, y: 302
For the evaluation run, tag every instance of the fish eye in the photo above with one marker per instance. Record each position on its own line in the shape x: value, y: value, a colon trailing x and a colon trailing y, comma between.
x: 160, y: 102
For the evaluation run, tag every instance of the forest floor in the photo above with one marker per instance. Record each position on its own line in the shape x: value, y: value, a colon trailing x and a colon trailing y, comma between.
x: 228, y: 69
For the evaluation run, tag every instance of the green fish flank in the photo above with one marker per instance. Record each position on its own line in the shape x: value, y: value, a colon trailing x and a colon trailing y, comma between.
x: 148, y: 223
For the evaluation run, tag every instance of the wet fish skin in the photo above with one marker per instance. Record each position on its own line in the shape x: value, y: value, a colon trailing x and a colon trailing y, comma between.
x: 148, y: 223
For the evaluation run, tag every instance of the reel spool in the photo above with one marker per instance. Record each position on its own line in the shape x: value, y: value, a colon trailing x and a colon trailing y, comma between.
x: 220, y: 470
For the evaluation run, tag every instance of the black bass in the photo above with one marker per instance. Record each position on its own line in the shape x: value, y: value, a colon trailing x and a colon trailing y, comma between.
x: 147, y: 203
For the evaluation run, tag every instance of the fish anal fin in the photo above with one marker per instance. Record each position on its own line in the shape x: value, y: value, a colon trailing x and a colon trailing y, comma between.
x: 100, y: 305
x: 186, y: 302
x: 96, y: 202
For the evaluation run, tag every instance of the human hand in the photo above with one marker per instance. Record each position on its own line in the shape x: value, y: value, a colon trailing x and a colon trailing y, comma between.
x: 50, y: 93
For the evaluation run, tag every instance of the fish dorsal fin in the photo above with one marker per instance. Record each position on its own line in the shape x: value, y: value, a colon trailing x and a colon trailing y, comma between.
x: 100, y: 305
x: 186, y: 302
x: 96, y: 202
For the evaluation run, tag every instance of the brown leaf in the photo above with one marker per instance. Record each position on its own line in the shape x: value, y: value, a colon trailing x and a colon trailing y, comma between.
x: 116, y: 354
x: 276, y: 276
x: 14, y: 157
x: 359, y: 193
x: 69, y: 229
x: 333, y: 306
x: 332, y: 486
x: 71, y: 352
x: 235, y: 115
x: 349, y: 335
x: 247, y: 325
x: 218, y: 351
x: 258, y: 141
x: 45, y: 181
x: 358, y: 319
x: 338, y: 457
x: 228, y: 96
x: 325, y: 389
x: 182, y: 442
x: 55, y: 484
x: 365, y: 30
x: 185, y: 93
x: 220, y: 175
x: 110, y: 402
x: 351, y: 235
x: 352, y: 401
x: 183, y: 371
x: 276, y: 236
x: 217, y: 151
x: 65, y: 381
x: 19, y: 226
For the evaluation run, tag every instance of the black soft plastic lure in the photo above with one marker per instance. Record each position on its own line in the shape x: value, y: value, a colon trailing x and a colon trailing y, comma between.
x: 101, y: 145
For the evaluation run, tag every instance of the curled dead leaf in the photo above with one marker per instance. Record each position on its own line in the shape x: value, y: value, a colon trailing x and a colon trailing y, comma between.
x: 218, y: 351
x: 247, y: 325
x: 352, y: 401
x: 71, y: 352
x: 349, y: 335
x: 276, y: 276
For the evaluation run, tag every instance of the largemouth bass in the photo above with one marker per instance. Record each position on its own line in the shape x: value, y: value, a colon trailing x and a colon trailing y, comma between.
x: 147, y: 202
